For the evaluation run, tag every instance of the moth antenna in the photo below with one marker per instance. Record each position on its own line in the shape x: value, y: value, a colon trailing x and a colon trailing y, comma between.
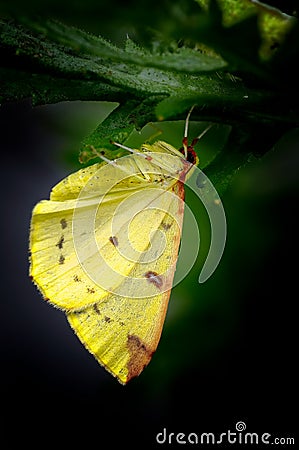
x: 114, y: 163
x: 195, y: 140
x: 187, y: 121
x: 204, y: 131
x: 101, y: 156
x: 185, y: 138
x: 131, y: 150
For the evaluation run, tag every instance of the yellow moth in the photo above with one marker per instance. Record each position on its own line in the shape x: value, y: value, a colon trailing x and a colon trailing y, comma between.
x: 104, y: 250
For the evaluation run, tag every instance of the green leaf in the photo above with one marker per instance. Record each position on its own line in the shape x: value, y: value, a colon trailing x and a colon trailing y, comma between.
x: 245, y: 33
x: 273, y: 24
x: 43, y: 89
x: 237, y: 62
x: 180, y: 59
x: 26, y: 52
x: 117, y: 127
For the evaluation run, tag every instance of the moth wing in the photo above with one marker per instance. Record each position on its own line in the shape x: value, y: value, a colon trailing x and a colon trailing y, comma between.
x: 123, y: 332
x: 63, y: 275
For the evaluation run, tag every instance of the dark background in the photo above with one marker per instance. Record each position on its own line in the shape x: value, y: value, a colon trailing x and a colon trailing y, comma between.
x: 228, y: 347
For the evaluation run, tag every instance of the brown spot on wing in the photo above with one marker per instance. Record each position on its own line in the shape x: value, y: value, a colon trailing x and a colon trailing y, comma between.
x: 96, y: 308
x: 90, y: 290
x: 140, y: 356
x: 60, y: 242
x: 114, y: 240
x: 154, y: 278
x: 61, y: 259
x: 166, y: 226
x: 63, y: 223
